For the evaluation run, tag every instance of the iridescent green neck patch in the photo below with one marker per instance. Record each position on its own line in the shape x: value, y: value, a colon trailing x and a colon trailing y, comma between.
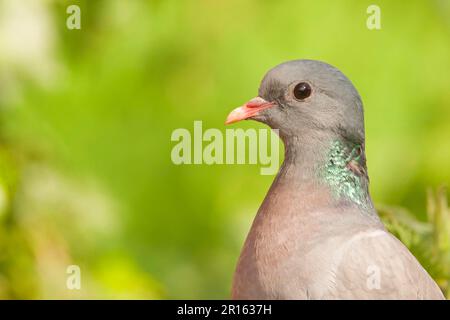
x: 344, y: 172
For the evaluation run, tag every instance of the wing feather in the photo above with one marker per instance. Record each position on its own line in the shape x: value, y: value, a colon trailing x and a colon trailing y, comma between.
x: 376, y: 265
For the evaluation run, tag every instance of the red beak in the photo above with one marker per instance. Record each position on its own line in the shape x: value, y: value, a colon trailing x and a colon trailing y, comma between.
x: 251, y: 108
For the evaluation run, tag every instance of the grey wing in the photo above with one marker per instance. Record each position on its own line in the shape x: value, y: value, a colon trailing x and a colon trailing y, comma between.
x: 376, y: 265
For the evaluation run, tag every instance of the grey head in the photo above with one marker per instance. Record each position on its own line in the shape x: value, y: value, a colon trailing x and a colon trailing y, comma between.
x: 300, y: 97
x: 320, y: 119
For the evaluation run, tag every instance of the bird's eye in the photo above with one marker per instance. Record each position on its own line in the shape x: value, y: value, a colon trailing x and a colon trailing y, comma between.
x: 302, y: 91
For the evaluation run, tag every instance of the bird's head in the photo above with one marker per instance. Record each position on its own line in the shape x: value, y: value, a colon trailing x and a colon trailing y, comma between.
x: 303, y: 96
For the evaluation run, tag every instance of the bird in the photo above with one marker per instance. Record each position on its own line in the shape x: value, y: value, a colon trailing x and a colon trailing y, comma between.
x: 317, y: 234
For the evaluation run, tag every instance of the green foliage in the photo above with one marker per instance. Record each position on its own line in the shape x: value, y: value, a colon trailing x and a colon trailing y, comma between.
x: 430, y: 240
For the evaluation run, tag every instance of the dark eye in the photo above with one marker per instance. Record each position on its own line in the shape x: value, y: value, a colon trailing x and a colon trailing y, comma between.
x: 302, y: 91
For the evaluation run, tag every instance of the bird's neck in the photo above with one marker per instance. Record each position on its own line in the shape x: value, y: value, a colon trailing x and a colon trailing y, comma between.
x: 327, y: 163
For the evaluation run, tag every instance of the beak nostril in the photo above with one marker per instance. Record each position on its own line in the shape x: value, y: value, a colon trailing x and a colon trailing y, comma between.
x: 251, y: 108
x: 256, y: 102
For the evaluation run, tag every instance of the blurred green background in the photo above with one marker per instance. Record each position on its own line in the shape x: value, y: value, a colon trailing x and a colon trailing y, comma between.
x: 86, y: 118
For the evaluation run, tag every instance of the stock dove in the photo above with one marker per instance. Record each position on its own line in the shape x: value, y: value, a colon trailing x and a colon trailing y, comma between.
x: 317, y: 234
